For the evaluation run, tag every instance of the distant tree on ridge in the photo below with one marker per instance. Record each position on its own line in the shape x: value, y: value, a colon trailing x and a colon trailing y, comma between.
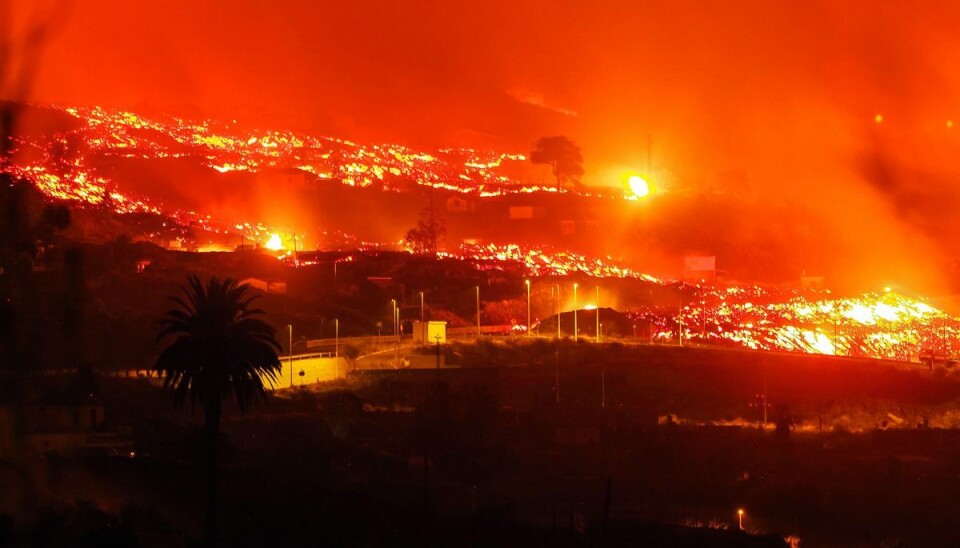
x: 425, y: 237
x: 562, y: 155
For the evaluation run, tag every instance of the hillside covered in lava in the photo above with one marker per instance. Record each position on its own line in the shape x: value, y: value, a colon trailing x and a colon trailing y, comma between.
x: 212, y: 185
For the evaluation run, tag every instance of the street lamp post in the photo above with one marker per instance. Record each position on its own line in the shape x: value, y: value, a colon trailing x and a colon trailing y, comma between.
x: 740, y: 518
x: 528, y: 307
x: 478, y: 311
x: 598, y: 313
x: 556, y: 312
x: 576, y: 332
x: 421, y: 307
x: 290, y: 356
x: 393, y: 316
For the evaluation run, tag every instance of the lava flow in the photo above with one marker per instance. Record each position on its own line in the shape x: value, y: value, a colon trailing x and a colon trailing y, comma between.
x: 225, y: 148
x: 879, y: 325
x: 883, y: 325
x: 541, y: 262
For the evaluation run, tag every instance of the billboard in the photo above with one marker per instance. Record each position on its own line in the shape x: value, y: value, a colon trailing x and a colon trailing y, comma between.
x: 700, y: 263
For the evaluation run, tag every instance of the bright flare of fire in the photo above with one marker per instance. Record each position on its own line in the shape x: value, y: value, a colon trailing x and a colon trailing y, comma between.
x: 274, y: 243
x: 638, y: 186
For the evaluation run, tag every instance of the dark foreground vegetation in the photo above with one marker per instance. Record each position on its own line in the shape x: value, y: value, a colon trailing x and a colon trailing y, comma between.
x: 647, y: 446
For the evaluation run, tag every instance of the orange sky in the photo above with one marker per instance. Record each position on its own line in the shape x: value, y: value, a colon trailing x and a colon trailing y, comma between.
x: 718, y: 84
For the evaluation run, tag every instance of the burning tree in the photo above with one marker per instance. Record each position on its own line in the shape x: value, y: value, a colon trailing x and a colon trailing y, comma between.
x: 563, y: 156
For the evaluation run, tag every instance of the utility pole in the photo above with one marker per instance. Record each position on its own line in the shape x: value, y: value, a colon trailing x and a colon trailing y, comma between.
x: 478, y: 312
x: 393, y: 317
x: 290, y: 357
x: 433, y: 224
x: 421, y: 307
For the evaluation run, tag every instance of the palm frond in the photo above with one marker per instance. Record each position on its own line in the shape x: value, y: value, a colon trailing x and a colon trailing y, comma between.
x: 220, y: 349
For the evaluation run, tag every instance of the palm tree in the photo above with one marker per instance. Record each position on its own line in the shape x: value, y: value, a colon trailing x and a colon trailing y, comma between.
x: 220, y: 350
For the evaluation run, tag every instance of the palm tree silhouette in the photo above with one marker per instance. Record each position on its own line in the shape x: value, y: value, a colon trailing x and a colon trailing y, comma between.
x: 220, y: 350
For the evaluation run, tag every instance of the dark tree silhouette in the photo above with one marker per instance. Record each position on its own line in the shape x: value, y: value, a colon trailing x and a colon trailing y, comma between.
x: 220, y: 349
x: 425, y: 237
x: 563, y: 156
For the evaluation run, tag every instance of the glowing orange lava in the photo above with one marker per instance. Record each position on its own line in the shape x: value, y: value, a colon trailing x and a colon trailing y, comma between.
x: 884, y: 325
x: 223, y: 147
